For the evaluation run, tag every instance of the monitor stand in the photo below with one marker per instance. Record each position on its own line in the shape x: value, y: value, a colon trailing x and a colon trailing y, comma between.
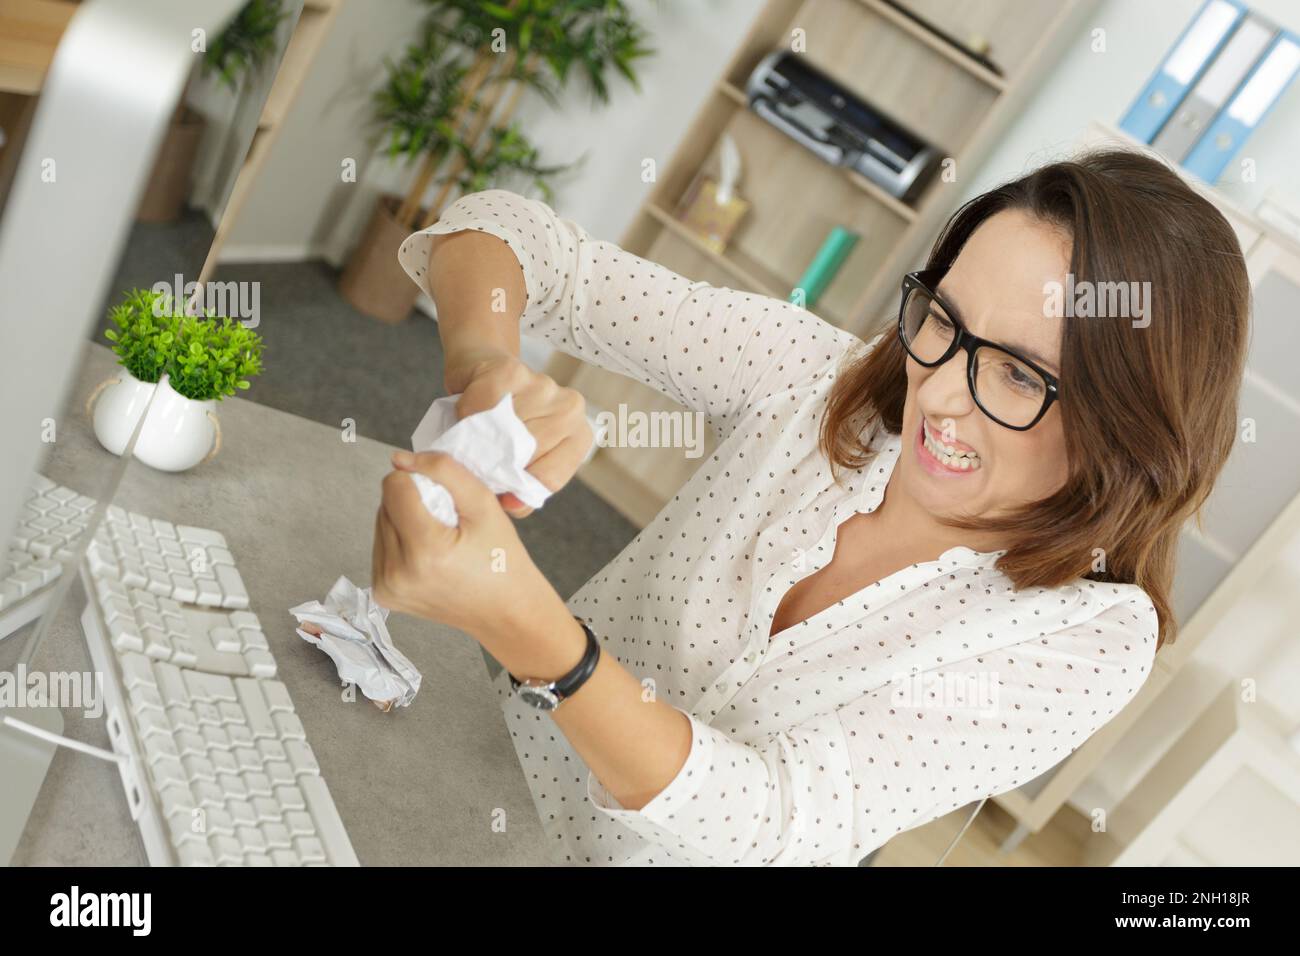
x: 25, y: 759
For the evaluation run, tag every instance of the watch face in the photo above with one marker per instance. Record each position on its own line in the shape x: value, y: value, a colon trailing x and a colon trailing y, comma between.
x: 541, y: 697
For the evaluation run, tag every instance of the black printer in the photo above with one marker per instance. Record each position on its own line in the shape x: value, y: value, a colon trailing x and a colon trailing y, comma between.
x: 793, y: 95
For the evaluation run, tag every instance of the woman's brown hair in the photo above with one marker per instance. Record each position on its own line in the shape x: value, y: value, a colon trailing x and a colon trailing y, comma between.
x: 1149, y: 411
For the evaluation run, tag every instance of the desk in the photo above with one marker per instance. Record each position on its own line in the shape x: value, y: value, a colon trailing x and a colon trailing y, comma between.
x: 421, y: 785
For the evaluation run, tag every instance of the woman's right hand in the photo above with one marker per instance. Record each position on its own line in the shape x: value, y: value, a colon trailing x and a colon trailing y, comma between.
x: 554, y: 415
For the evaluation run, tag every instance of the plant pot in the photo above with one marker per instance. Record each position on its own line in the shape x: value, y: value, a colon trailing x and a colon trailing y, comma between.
x: 178, y: 434
x: 373, y: 281
x: 169, y: 182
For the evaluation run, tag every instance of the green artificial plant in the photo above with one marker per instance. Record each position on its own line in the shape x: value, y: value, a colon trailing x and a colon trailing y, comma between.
x: 204, y: 357
x: 427, y: 97
x: 246, y: 42
x: 214, y: 357
x: 145, y: 336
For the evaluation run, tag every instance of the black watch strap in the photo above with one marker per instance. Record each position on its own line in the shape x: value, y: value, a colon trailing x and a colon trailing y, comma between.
x: 568, y: 685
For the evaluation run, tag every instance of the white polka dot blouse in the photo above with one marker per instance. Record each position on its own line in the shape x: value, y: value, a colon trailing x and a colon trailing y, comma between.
x: 915, y: 696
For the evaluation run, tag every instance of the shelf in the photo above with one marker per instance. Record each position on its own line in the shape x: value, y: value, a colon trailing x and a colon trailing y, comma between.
x: 899, y: 208
x: 744, y: 269
x: 922, y: 35
x: 30, y: 31
x: 748, y: 272
x: 298, y: 55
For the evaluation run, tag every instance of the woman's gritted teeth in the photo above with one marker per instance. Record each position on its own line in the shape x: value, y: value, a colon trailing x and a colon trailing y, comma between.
x: 957, y: 456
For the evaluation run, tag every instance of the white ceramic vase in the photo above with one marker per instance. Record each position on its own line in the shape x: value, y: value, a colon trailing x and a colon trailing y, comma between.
x: 178, y: 434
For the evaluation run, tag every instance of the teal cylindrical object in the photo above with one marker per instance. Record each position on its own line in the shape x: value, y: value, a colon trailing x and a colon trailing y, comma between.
x: 825, y: 265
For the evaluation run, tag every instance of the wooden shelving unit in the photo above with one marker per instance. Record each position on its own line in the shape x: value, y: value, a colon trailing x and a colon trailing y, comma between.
x: 30, y: 31
x: 937, y: 91
x: 310, y: 30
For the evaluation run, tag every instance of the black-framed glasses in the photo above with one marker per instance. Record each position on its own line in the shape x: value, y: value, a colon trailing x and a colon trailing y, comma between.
x: 1008, y: 387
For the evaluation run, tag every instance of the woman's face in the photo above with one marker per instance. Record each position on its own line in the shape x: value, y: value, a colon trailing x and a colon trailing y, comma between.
x: 996, y: 287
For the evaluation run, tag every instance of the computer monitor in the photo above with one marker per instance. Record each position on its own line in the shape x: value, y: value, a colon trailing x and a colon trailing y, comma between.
x: 104, y: 105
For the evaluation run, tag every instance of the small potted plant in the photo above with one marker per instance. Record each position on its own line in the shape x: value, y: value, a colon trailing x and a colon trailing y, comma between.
x: 178, y: 367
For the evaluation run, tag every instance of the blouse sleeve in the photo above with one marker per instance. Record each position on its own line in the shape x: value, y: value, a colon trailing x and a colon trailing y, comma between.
x: 712, y: 349
x: 832, y: 789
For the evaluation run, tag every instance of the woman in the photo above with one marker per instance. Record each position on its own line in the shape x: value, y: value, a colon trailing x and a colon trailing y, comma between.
x: 915, y: 573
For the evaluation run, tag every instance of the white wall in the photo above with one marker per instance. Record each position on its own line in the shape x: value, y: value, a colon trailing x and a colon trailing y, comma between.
x: 300, y: 208
x: 1086, y: 85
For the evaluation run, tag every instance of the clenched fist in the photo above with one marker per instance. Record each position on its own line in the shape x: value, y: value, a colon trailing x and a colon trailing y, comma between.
x: 554, y: 415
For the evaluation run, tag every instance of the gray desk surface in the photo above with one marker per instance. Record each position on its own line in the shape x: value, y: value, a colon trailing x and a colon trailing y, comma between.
x: 426, y: 784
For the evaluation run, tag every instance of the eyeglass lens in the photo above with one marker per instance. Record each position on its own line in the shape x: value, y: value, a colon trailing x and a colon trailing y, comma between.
x: 1006, y: 388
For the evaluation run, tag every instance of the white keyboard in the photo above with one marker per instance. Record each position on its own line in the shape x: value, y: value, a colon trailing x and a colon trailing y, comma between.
x: 218, y: 768
x: 52, y: 519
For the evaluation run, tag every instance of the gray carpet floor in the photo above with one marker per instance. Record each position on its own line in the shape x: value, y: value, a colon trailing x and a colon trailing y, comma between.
x: 326, y: 362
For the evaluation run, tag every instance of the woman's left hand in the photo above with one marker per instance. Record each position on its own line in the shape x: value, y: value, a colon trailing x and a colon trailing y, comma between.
x: 476, y: 577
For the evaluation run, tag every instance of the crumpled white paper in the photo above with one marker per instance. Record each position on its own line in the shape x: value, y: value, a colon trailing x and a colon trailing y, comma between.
x: 495, y: 445
x: 354, y: 635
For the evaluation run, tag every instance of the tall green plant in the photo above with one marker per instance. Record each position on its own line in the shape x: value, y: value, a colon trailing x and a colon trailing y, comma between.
x: 419, y: 97
x: 247, y: 42
x: 508, y: 156
x: 593, y: 36
x: 420, y: 102
x: 145, y: 337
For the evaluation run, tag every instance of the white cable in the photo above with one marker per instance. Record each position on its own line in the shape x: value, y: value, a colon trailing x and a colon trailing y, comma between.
x: 961, y: 832
x: 24, y: 727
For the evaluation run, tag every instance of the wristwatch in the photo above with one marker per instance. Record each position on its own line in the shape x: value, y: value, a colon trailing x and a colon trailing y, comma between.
x: 549, y: 694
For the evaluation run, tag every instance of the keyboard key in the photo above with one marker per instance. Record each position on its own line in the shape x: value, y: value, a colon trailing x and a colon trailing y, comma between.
x: 232, y: 586
x: 209, y: 594
x: 301, y: 758
x: 201, y: 536
x: 184, y: 588
x: 199, y: 768
x: 260, y: 663
x: 156, y: 645
x: 280, y: 774
x: 309, y: 848
x: 255, y: 707
x: 277, y: 696
x: 329, y: 825
x: 241, y: 811
x: 277, y: 835
x: 124, y: 637
x: 136, y: 671
x: 206, y: 793
x: 251, y: 839
x: 209, y: 687
x: 267, y: 810
x: 290, y: 727
x: 190, y: 744
x: 226, y: 849
x: 225, y: 640
x: 183, y: 652
x: 195, y: 854
x: 171, y: 685
x: 290, y: 798
x: 176, y: 799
